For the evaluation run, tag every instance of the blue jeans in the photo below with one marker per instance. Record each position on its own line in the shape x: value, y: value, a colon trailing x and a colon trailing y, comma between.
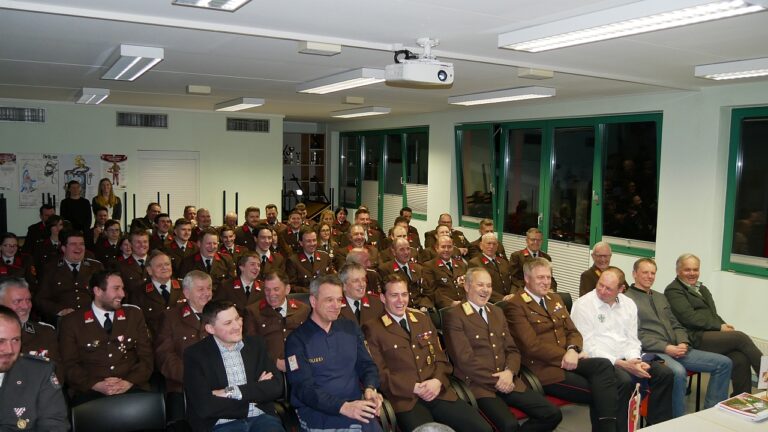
x: 719, y: 368
x: 261, y: 423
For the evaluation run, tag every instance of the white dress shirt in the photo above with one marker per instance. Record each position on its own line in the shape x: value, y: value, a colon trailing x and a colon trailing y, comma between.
x: 609, y: 331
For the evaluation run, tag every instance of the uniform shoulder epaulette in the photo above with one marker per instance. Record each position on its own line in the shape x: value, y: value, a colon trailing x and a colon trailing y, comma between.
x: 35, y: 357
x: 415, y: 310
x: 92, y: 260
x: 131, y: 305
x: 46, y: 325
x: 468, y: 309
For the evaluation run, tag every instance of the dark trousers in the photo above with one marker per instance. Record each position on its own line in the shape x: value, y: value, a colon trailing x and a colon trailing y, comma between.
x: 741, y: 350
x: 543, y: 416
x: 457, y: 414
x: 659, y: 400
x: 174, y: 406
x: 593, y: 382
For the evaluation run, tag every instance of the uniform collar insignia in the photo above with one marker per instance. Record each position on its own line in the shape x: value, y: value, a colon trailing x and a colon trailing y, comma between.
x: 237, y: 284
x: 150, y: 287
x: 526, y: 298
x: 262, y: 304
x: 175, y: 284
x: 186, y: 311
x: 386, y: 320
x: 120, y: 314
x: 292, y: 304
x: 598, y: 272
x: 89, y: 316
x: 412, y: 317
x: 364, y: 301
x: 28, y: 327
x: 526, y: 252
x: 468, y: 309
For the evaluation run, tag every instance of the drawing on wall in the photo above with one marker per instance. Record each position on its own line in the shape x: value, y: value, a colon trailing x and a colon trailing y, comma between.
x: 84, y: 169
x: 7, y: 171
x: 113, y: 168
x: 38, y: 177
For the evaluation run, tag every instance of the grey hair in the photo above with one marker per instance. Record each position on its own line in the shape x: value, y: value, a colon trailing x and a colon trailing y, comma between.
x: 348, y: 268
x: 314, y: 286
x: 9, y: 282
x: 195, y: 275
x: 472, y: 271
x: 534, y: 263
x: 685, y: 257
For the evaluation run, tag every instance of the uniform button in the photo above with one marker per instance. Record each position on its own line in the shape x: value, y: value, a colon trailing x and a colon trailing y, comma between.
x: 417, y: 357
x: 419, y: 370
x: 395, y: 346
x: 111, y: 368
x: 110, y: 355
x: 477, y: 336
x: 496, y: 356
x: 491, y: 334
x: 493, y: 345
x: 414, y: 346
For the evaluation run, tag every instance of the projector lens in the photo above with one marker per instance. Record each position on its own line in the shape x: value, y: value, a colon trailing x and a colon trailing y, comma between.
x: 442, y: 75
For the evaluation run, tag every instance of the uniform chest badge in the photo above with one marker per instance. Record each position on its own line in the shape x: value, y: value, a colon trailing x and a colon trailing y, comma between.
x: 120, y: 314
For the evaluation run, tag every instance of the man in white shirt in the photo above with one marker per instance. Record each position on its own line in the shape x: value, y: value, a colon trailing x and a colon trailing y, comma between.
x: 607, y: 320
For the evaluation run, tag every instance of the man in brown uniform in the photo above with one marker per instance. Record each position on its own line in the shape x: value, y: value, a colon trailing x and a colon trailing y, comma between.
x: 209, y: 260
x: 133, y: 269
x: 227, y: 245
x: 159, y: 292
x: 245, y: 289
x: 485, y: 357
x: 486, y: 226
x: 36, y: 231
x: 601, y: 255
x: 495, y: 266
x: 533, y: 239
x: 276, y: 316
x: 357, y: 305
x: 419, y: 293
x: 459, y: 240
x: 356, y: 235
x: 308, y: 264
x: 271, y: 220
x: 162, y: 234
x: 413, y: 368
x: 181, y: 328
x: 270, y: 260
x: 37, y: 339
x: 107, y: 248
x: 373, y: 279
x: 64, y: 287
x: 180, y: 247
x: 445, y: 275
x: 244, y: 235
x: 289, y: 238
x: 105, y: 349
x: 551, y: 348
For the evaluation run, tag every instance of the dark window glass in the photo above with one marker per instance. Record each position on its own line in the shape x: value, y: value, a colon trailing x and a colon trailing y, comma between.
x: 417, y: 148
x: 629, y: 181
x: 393, y: 167
x: 750, y: 236
x: 372, y: 157
x: 350, y: 169
x: 523, y: 167
x: 477, y: 173
x: 571, y: 195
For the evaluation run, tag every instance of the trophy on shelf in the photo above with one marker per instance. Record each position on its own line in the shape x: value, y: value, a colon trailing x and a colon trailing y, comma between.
x: 314, y: 159
x: 289, y: 155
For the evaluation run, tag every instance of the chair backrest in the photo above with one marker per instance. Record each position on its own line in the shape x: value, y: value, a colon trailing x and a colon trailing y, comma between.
x: 130, y: 412
x: 567, y: 300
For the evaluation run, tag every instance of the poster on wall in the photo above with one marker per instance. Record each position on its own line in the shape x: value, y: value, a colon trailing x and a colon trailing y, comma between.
x: 7, y: 172
x: 84, y: 168
x: 38, y: 177
x: 113, y: 167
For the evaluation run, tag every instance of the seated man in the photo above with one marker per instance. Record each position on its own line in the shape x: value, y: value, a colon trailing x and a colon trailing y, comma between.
x: 180, y: 247
x: 209, y: 260
x: 289, y: 238
x: 550, y: 346
x: 601, y: 256
x: 203, y: 223
x: 444, y: 275
x: 333, y: 378
x: 107, y: 248
x: 308, y: 264
x: 496, y: 266
x: 694, y: 308
x: 146, y: 223
x: 275, y: 316
x: 270, y: 259
x: 133, y: 270
x: 181, y: 329
x: 160, y: 291
x: 105, y: 349
x: 245, y: 289
x: 533, y: 240
x: 485, y: 357
x: 413, y: 368
x: 607, y: 320
x: 362, y: 256
x: 229, y: 381
x: 486, y: 226
x: 457, y: 236
x: 419, y: 293
x: 357, y: 304
x: 227, y: 245
x: 661, y: 334
x: 413, y: 234
x: 356, y: 235
x: 162, y: 234
x: 245, y: 234
x: 31, y: 393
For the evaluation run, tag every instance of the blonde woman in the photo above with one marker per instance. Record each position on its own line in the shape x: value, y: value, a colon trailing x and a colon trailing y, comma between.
x: 107, y: 199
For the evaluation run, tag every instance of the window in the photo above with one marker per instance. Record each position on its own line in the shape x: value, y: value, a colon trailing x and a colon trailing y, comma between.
x: 746, y: 236
x: 477, y: 173
x: 523, y: 183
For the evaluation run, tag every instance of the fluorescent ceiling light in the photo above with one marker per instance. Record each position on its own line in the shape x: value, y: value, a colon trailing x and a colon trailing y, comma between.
x: 239, y: 104
x: 361, y: 112
x: 342, y: 81
x: 134, y: 60
x: 629, y: 19
x: 509, y: 95
x: 91, y: 96
x: 221, y: 5
x: 733, y: 70
x: 319, y: 48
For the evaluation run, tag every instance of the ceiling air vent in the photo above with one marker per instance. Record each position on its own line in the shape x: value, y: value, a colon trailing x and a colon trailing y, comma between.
x: 26, y: 115
x: 247, y: 125
x: 142, y: 120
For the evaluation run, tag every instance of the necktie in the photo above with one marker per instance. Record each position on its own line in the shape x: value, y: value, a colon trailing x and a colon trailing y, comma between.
x: 165, y: 293
x: 8, y: 262
x: 207, y: 265
x: 141, y: 264
x: 404, y: 325
x: 197, y: 314
x: 535, y: 254
x: 162, y: 237
x: 232, y: 251
x: 311, y: 260
x: 450, y: 267
x: 75, y: 271
x: 263, y: 260
x: 405, y: 270
x: 482, y: 314
x: 247, y: 290
x: 278, y: 310
x: 543, y: 305
x: 107, y: 323
x: 183, y: 248
x: 357, y: 310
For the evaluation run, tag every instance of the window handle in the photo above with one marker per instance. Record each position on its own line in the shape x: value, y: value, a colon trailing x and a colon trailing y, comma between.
x: 595, y: 198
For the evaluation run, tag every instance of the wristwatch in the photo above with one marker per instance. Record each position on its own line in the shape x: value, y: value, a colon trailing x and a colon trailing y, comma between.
x: 229, y: 392
x: 575, y: 348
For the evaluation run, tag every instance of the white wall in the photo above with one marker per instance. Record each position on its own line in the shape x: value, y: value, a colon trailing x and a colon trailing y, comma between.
x: 692, y: 178
x: 244, y: 162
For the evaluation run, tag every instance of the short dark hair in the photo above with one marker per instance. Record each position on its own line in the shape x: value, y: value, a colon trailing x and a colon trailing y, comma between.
x: 65, y: 235
x: 277, y: 274
x: 208, y: 232
x: 137, y: 233
x: 99, y: 279
x: 251, y: 210
x: 245, y: 257
x: 8, y: 314
x: 405, y: 209
x: 306, y: 230
x: 181, y: 221
x: 7, y: 236
x: 46, y: 207
x: 390, y: 279
x: 111, y: 222
x: 161, y: 215
x: 400, y: 219
x: 212, y: 309
x: 150, y: 205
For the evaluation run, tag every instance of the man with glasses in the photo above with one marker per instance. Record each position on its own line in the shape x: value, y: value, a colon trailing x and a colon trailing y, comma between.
x: 533, y: 240
x: 601, y: 255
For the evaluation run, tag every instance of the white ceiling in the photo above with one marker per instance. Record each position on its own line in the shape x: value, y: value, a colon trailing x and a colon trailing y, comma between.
x: 50, y: 49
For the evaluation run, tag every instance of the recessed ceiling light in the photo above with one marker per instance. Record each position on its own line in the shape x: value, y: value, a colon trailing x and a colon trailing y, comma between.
x: 239, y: 104
x: 361, y: 112
x: 220, y: 5
x: 498, y: 96
x: 733, y: 70
x: 342, y: 81
x: 134, y: 60
x: 92, y: 96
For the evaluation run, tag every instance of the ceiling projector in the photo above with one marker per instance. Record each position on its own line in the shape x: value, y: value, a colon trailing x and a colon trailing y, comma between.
x: 425, y: 70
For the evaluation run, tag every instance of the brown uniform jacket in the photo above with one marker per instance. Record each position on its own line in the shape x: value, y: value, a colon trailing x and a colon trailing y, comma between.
x: 446, y: 285
x: 153, y: 304
x: 234, y: 290
x: 222, y: 267
x: 105, y: 252
x: 500, y: 275
x: 133, y: 275
x: 266, y: 322
x: 474, y: 250
x: 289, y: 240
x: 371, y: 307
x: 428, y: 254
x: 542, y: 336
x: 89, y: 354
x: 60, y: 290
x: 459, y: 240
x: 176, y: 255
x: 516, y: 261
x: 301, y: 272
x: 405, y: 359
x: 479, y: 350
x: 236, y: 252
x: 244, y: 236
x: 275, y: 261
x: 340, y: 256
x: 180, y: 329
x: 39, y: 339
x: 419, y: 292
x: 155, y: 242
x: 588, y: 280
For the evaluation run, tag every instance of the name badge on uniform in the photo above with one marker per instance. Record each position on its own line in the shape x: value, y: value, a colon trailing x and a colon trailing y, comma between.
x: 293, y: 364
